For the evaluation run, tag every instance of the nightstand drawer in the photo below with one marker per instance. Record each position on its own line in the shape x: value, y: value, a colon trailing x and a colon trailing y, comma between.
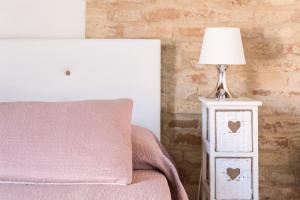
x: 234, y: 130
x: 233, y: 178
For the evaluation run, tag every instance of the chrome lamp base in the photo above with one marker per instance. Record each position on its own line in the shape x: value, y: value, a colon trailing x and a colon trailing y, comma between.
x: 221, y: 92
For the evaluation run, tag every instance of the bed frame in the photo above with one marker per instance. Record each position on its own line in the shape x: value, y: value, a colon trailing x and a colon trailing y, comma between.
x: 64, y: 70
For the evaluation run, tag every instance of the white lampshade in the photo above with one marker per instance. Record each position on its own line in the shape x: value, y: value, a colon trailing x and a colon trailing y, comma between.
x: 222, y: 46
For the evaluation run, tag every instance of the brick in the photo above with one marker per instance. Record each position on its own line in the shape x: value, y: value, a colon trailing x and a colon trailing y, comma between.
x: 261, y: 92
x: 273, y: 158
x: 267, y: 16
x: 279, y: 124
x: 291, y: 49
x: 264, y: 175
x: 189, y: 59
x: 184, y: 124
x: 190, y: 32
x: 195, y: 14
x: 193, y: 157
x: 295, y: 142
x: 273, y: 143
x: 297, y: 174
x: 294, y: 93
x: 277, y: 2
x: 186, y: 92
x: 187, y: 139
x: 126, y: 15
x: 294, y: 159
x: 229, y: 3
x: 282, y: 177
x: 198, y: 78
x: 220, y: 15
x: 184, y: 106
x: 279, y: 192
x: 287, y: 32
x: 142, y: 30
x: 295, y: 17
x: 109, y: 31
x: 163, y: 14
x: 191, y: 175
x: 176, y: 155
x: 96, y: 15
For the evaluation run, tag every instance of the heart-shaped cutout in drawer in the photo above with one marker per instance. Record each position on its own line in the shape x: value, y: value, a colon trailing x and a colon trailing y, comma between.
x: 233, y: 172
x: 234, y: 126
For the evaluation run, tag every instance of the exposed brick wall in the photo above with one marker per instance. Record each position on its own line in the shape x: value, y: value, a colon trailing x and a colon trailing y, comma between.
x: 271, y: 35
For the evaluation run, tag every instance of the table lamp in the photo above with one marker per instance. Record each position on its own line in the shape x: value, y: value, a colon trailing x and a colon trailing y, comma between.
x: 222, y: 46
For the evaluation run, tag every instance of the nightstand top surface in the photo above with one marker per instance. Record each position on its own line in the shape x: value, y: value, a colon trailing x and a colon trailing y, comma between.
x: 230, y: 102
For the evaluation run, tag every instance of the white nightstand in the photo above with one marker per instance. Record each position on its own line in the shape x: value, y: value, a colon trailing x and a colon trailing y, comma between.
x: 230, y: 149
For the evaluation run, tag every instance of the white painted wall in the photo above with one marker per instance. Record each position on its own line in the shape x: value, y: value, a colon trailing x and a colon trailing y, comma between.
x: 42, y: 18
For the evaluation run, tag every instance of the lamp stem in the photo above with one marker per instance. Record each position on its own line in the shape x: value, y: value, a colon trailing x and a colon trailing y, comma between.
x: 221, y: 92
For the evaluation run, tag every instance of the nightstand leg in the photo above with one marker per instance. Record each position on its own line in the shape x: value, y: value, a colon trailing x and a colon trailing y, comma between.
x: 199, y: 186
x: 202, y: 179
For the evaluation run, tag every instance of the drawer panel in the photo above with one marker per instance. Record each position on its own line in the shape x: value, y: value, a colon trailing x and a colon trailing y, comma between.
x: 233, y: 178
x: 233, y: 130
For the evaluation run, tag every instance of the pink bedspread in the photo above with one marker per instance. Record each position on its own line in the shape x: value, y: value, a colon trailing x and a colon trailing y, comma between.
x: 148, y: 153
x: 154, y: 178
x: 146, y: 185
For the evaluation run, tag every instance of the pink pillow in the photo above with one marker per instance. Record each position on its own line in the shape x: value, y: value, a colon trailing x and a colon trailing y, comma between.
x: 66, y: 142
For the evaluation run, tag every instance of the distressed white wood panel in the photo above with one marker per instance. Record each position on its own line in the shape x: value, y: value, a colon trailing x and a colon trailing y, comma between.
x: 209, y: 124
x: 42, y: 18
x: 234, y: 131
x: 34, y: 70
x: 233, y: 178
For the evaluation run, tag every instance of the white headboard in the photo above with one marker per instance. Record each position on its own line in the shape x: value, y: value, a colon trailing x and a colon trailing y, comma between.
x: 60, y: 70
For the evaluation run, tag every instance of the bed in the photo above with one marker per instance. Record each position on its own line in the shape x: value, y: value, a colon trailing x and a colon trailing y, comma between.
x: 79, y: 70
x: 147, y: 184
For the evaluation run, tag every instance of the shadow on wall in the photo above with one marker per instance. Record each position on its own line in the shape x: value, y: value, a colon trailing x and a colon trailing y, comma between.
x: 180, y: 132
